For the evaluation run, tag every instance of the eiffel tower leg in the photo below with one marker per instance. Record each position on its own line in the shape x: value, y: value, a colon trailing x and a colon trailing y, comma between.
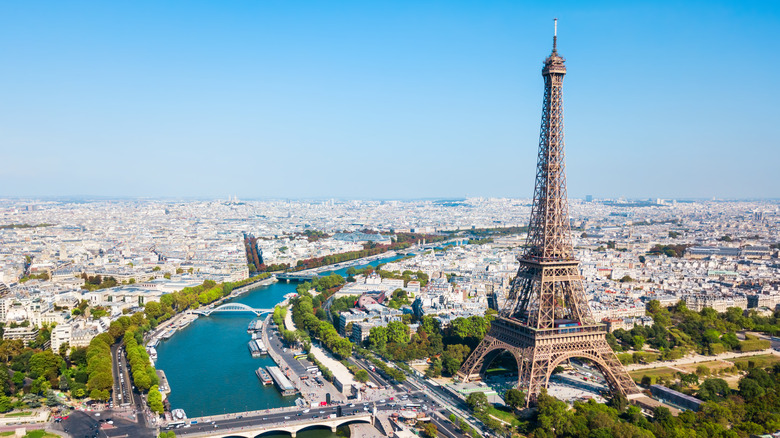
x: 471, y: 367
x: 622, y: 380
x: 537, y: 374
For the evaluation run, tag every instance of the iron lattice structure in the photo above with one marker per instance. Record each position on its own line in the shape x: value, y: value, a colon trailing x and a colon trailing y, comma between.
x: 546, y: 318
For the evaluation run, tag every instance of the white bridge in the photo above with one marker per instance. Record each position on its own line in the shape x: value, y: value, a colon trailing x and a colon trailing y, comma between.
x: 232, y: 307
x: 291, y: 427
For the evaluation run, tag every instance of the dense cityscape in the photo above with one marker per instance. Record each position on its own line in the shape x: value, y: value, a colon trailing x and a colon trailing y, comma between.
x: 79, y: 275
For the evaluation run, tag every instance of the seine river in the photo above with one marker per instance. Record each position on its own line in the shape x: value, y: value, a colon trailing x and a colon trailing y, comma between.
x: 209, y: 367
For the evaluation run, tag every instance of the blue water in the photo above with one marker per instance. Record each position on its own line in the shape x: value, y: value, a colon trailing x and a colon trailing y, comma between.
x: 210, y: 370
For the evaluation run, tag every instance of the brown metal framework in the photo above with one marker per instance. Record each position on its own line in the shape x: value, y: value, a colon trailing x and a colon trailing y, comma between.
x: 546, y: 318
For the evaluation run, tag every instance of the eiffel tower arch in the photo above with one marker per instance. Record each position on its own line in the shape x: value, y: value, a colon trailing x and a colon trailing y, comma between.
x: 546, y: 319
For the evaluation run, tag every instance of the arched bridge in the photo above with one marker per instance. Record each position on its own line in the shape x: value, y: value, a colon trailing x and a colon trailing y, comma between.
x: 291, y: 427
x: 233, y: 307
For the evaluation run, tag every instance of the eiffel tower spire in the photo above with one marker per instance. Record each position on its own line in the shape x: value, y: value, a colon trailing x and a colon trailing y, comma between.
x: 546, y: 318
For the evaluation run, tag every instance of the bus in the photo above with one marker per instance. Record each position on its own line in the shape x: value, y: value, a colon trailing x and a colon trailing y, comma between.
x: 175, y: 425
x: 300, y: 356
x: 312, y: 369
x: 412, y: 405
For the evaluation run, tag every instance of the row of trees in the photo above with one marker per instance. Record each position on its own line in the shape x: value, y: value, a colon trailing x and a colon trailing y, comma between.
x: 144, y: 374
x: 402, y: 241
x: 303, y: 315
x: 193, y: 297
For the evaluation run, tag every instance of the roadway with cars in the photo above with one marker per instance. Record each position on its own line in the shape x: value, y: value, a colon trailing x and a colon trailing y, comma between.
x: 123, y: 393
x: 270, y: 419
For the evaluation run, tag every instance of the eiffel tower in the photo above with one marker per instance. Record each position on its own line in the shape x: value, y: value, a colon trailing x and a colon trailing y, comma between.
x: 546, y: 319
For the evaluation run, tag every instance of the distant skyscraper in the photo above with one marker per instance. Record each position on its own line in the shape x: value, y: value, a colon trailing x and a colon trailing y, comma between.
x: 546, y: 319
x: 588, y: 198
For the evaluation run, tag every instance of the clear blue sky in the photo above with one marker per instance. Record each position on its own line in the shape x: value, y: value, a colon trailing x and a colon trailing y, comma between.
x: 385, y: 99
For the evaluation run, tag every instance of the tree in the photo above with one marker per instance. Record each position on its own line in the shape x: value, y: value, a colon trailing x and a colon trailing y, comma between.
x: 689, y: 379
x: 51, y: 399
x: 397, y: 332
x: 553, y: 414
x: 45, y: 364
x: 477, y: 401
x: 453, y: 357
x: 5, y: 404
x: 154, y: 399
x: 429, y: 430
x: 514, y: 398
x: 713, y: 389
x: 749, y: 389
x: 361, y: 376
x: 618, y: 402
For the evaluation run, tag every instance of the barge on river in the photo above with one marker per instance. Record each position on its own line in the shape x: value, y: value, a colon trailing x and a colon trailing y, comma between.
x: 257, y: 348
x: 264, y: 376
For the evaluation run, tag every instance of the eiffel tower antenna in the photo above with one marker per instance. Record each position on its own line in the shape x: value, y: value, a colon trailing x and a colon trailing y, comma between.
x: 546, y: 319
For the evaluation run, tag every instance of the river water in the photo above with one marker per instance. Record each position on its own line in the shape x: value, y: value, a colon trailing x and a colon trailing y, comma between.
x: 210, y: 370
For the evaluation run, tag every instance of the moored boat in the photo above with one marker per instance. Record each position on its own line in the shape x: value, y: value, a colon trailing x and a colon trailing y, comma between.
x: 264, y: 376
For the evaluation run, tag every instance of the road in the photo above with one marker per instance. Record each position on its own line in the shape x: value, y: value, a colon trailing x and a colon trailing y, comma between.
x: 420, y: 391
x: 270, y: 419
x: 122, y: 394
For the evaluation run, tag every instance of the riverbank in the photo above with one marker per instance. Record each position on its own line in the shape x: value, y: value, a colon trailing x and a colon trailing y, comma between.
x: 350, y: 263
x: 211, y: 357
x: 181, y: 320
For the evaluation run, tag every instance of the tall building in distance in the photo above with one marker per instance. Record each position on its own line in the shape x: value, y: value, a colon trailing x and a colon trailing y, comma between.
x: 546, y: 319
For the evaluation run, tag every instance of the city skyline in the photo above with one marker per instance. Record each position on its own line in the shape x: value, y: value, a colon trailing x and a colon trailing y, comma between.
x: 401, y: 101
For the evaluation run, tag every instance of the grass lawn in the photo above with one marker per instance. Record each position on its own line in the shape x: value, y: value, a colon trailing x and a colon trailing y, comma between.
x: 18, y: 414
x: 712, y: 365
x: 504, y: 416
x: 654, y: 372
x: 32, y: 434
x: 762, y: 360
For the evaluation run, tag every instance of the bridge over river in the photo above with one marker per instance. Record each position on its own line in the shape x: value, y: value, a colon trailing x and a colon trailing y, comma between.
x: 299, y: 277
x: 232, y: 307
x: 250, y: 427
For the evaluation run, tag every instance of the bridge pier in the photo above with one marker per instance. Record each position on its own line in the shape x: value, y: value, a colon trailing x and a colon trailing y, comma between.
x: 333, y: 429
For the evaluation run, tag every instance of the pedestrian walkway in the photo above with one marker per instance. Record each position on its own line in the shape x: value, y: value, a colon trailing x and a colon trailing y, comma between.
x: 696, y: 358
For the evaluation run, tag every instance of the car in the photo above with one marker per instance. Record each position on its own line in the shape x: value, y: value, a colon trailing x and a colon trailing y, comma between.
x: 322, y: 412
x: 306, y: 411
x: 286, y: 418
x: 351, y: 405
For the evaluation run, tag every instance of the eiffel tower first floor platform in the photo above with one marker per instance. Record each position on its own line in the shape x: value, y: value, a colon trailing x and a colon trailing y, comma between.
x: 538, y: 351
